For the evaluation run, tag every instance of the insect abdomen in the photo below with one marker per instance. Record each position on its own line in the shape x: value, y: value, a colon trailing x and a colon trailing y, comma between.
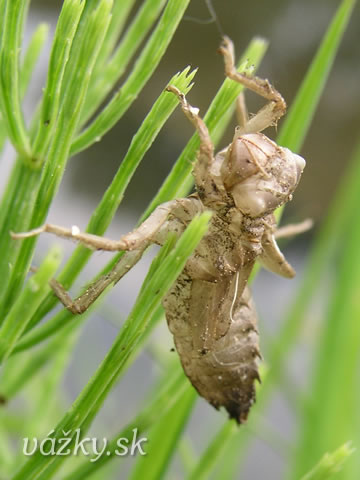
x: 224, y: 374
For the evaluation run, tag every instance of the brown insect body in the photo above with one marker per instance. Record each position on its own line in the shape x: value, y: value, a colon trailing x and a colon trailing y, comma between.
x: 209, y: 308
x: 224, y: 372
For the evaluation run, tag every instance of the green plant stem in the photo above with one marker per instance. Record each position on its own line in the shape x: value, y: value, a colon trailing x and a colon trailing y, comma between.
x: 66, y: 29
x: 120, y: 13
x: 298, y: 120
x: 330, y: 464
x: 19, y: 197
x: 117, y: 64
x: 33, y: 51
x: 217, y: 445
x: 163, y: 438
x: 164, y: 397
x: 331, y: 415
x: 31, y: 56
x: 143, y: 69
x: 80, y: 70
x: 9, y: 79
x: 27, y: 303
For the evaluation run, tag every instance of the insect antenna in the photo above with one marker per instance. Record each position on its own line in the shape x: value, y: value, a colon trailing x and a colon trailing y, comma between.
x: 213, y: 18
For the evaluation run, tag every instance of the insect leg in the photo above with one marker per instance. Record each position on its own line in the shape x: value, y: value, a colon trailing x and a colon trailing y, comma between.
x: 272, y: 258
x: 192, y: 113
x: 268, y: 115
x: 94, y: 290
x: 141, y: 236
x: 152, y: 230
x: 294, y: 229
x: 204, y: 179
x: 242, y: 115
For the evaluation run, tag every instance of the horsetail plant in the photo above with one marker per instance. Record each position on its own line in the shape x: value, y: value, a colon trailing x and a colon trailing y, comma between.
x: 87, y: 61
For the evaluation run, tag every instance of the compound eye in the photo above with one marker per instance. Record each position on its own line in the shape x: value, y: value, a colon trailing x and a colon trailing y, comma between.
x: 238, y: 164
x: 300, y: 165
x: 297, y: 162
x: 252, y: 201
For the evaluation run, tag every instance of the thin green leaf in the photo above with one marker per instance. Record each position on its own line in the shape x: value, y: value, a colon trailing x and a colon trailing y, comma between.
x: 331, y: 415
x: 321, y: 65
x: 216, y: 447
x: 46, y: 413
x: 33, y: 51
x: 163, y: 398
x: 6, y: 453
x: 9, y: 76
x: 119, y: 14
x: 299, y: 118
x: 63, y: 40
x: 75, y: 86
x: 330, y: 464
x: 187, y: 455
x: 163, y: 439
x: 18, y: 199
x: 15, y: 379
x: 116, y: 66
x: 142, y: 71
x: 3, y: 133
x: 27, y: 303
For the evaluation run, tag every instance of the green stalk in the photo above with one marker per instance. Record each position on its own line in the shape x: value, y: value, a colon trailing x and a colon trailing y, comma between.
x: 164, y: 437
x: 18, y: 200
x: 14, y: 382
x: 142, y: 71
x: 9, y: 77
x: 298, y: 120
x: 66, y: 29
x: 77, y: 81
x: 117, y: 64
x: 120, y: 12
x: 163, y: 398
x: 219, y: 444
x: 331, y: 414
x: 33, y: 51
x: 31, y: 56
x: 27, y: 303
x: 330, y: 464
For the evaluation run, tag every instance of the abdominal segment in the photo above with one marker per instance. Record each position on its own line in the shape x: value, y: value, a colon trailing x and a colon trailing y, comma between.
x: 221, y: 366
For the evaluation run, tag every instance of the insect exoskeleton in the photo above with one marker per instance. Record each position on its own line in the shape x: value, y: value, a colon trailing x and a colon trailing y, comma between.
x: 224, y: 371
x: 209, y: 308
x: 259, y: 175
